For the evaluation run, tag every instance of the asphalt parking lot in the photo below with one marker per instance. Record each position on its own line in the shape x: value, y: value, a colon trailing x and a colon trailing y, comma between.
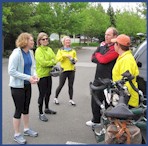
x: 68, y: 125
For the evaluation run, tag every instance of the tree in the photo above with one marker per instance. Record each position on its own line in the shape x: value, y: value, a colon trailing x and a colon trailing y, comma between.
x: 130, y: 23
x: 142, y: 8
x: 6, y: 13
x: 96, y: 21
x: 61, y: 17
x: 17, y: 18
x: 66, y: 18
x: 111, y: 14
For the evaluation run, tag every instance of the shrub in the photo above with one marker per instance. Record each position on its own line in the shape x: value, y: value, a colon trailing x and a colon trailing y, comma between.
x: 7, y: 53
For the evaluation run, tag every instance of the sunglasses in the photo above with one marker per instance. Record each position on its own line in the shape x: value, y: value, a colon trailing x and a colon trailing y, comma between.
x: 44, y: 39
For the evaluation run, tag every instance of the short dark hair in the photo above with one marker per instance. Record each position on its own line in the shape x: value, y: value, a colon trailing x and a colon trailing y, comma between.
x: 115, y: 31
x: 124, y: 48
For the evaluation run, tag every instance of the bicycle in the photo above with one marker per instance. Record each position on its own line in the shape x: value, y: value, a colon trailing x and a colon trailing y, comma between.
x: 121, y: 111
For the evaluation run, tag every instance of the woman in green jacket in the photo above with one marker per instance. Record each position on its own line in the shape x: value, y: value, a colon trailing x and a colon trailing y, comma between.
x: 45, y: 60
x: 67, y: 58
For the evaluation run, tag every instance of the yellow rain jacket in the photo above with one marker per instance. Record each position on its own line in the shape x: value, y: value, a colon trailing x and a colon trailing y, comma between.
x: 127, y: 62
x: 65, y: 62
x: 45, y: 60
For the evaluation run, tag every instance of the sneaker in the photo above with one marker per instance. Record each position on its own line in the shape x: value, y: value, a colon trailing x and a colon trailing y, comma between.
x: 49, y: 111
x: 90, y: 123
x: 42, y: 117
x: 30, y: 133
x: 56, y: 101
x: 20, y: 139
x: 72, y: 102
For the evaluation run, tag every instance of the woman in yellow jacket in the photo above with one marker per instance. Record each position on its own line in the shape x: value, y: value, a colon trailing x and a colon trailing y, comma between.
x: 125, y: 62
x: 67, y: 58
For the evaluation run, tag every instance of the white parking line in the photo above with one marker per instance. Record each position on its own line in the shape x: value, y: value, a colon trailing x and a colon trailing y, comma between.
x: 71, y: 142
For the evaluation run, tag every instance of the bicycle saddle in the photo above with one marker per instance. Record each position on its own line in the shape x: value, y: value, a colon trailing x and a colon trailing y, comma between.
x: 120, y: 111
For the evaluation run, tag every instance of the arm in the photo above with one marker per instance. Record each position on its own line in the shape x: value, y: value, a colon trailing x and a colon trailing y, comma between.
x: 39, y: 56
x: 53, y: 57
x: 34, y: 78
x: 93, y: 58
x: 122, y: 66
x: 107, y: 57
x: 13, y: 65
x: 59, y: 56
x: 75, y: 56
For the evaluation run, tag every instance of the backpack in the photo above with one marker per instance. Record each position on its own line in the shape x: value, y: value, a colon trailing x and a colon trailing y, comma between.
x: 122, y: 132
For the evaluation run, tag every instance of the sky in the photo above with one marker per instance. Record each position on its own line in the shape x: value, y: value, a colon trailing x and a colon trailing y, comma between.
x: 120, y: 5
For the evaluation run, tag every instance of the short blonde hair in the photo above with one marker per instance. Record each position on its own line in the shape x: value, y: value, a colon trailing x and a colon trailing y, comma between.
x: 63, y: 39
x: 40, y: 36
x: 22, y: 39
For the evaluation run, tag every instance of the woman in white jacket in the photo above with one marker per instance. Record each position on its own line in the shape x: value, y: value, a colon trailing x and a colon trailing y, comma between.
x: 21, y: 68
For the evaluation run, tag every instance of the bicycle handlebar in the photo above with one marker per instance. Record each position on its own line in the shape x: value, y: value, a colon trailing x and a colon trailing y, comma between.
x: 107, y: 83
x: 96, y: 88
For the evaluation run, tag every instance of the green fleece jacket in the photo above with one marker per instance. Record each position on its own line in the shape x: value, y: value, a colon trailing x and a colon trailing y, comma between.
x: 45, y: 60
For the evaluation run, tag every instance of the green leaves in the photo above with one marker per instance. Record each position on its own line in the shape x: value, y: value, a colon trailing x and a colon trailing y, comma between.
x: 68, y: 18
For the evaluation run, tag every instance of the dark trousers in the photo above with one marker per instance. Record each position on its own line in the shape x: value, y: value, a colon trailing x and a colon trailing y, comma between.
x: 44, y: 86
x: 21, y: 98
x: 70, y: 75
x: 96, y: 108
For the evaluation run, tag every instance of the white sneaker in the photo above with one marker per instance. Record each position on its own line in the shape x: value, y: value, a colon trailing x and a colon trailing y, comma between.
x: 56, y: 101
x: 90, y: 123
x: 72, y: 102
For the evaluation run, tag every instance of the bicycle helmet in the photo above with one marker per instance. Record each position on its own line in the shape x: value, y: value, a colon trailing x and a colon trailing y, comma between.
x: 56, y: 71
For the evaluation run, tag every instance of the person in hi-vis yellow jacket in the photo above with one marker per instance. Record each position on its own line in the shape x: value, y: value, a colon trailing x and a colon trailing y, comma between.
x: 124, y: 62
x: 45, y: 60
x: 67, y: 58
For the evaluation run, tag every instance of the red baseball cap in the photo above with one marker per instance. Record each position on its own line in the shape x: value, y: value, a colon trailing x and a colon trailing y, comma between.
x: 122, y: 39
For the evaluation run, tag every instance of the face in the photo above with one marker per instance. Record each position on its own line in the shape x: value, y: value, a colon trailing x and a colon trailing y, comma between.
x: 67, y: 42
x: 30, y: 44
x: 109, y: 35
x: 44, y: 41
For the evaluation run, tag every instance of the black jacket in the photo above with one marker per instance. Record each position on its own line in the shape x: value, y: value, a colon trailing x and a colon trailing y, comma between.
x: 105, y: 58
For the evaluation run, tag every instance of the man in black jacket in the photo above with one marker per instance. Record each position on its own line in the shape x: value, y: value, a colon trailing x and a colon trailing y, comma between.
x: 105, y: 58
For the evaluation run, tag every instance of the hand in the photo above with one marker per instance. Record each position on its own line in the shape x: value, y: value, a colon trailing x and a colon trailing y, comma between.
x: 73, y: 61
x: 34, y: 79
x: 68, y: 56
